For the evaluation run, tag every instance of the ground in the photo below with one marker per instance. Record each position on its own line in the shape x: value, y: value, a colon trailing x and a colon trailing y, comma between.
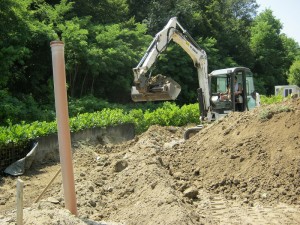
x: 242, y: 169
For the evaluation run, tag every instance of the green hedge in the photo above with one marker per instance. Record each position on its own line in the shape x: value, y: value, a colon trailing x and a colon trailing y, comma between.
x: 167, y: 115
x: 271, y: 99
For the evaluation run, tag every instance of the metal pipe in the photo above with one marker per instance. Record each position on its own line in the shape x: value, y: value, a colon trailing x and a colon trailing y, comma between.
x: 62, y: 117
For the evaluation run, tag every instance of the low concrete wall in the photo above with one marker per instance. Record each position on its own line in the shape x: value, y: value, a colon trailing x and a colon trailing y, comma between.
x: 47, y: 149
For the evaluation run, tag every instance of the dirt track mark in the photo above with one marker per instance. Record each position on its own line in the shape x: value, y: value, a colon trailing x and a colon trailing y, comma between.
x: 215, y: 209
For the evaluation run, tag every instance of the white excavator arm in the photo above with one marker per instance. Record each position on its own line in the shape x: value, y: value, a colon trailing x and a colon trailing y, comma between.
x: 172, y: 31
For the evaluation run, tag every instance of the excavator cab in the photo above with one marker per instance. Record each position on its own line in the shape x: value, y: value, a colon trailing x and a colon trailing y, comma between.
x: 231, y: 90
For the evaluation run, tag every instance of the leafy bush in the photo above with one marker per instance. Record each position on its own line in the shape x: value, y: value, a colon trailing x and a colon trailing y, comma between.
x: 87, y: 104
x: 20, y: 134
x: 15, y: 110
x: 167, y: 115
x: 137, y: 117
x: 189, y: 114
x: 106, y: 117
x: 144, y: 106
x: 24, y: 108
x: 271, y: 99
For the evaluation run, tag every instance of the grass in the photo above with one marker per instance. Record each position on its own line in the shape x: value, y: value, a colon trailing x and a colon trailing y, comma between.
x: 268, y: 113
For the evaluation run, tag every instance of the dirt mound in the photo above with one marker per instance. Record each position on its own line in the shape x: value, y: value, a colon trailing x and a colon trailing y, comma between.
x: 243, y: 169
x: 252, y: 155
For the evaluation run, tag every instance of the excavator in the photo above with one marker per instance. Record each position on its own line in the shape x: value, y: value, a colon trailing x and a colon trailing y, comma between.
x: 212, y: 86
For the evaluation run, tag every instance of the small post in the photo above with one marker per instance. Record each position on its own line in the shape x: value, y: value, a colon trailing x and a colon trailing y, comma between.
x: 63, y: 129
x: 20, y: 185
x: 45, y: 189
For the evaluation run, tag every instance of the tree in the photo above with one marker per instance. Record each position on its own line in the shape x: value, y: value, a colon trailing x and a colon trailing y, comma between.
x: 15, y: 31
x: 139, y: 9
x: 75, y: 38
x: 268, y: 51
x: 294, y: 73
x: 120, y: 47
x: 292, y: 50
x: 229, y: 22
x: 105, y: 39
x: 102, y: 12
x: 42, y: 28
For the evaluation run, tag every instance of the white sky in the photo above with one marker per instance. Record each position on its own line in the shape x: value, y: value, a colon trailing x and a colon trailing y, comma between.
x: 288, y: 12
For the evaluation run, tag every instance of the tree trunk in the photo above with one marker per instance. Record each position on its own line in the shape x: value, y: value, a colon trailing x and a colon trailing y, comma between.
x: 92, y: 87
x: 73, y: 88
x: 69, y: 83
x: 82, y: 85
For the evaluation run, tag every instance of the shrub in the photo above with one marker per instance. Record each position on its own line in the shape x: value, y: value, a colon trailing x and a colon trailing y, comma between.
x: 271, y: 99
x: 168, y: 115
x: 15, y: 110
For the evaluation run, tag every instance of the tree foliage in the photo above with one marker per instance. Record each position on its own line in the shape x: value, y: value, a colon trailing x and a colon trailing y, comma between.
x: 14, y: 29
x: 294, y: 73
x: 269, y: 52
x: 104, y: 40
x: 102, y: 12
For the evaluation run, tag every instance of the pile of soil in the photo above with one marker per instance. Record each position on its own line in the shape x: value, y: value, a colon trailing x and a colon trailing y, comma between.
x: 252, y: 155
x: 242, y: 169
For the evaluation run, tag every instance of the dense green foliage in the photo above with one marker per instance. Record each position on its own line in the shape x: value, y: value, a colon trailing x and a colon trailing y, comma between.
x: 294, y: 76
x: 104, y: 40
x: 28, y: 110
x: 166, y: 115
x: 271, y: 99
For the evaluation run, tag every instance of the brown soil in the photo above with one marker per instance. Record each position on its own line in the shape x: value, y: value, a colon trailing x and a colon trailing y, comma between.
x: 242, y: 169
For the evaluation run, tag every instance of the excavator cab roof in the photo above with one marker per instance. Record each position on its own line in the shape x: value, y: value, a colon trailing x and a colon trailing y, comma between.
x: 225, y: 72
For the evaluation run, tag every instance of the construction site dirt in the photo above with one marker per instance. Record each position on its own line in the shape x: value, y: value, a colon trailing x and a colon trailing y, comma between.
x: 242, y: 169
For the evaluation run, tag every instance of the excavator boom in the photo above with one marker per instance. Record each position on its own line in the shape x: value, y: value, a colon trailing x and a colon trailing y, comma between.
x: 212, y: 106
x: 165, y: 88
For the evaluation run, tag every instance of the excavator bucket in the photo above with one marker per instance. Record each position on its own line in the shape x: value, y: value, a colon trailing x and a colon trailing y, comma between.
x: 159, y: 88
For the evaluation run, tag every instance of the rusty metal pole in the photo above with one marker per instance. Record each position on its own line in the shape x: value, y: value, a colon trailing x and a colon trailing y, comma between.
x: 62, y: 117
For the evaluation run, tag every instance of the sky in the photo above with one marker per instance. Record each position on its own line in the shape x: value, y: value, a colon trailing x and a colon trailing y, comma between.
x: 288, y: 12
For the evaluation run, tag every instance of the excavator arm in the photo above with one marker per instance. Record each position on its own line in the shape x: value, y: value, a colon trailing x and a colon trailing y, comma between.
x: 166, y: 88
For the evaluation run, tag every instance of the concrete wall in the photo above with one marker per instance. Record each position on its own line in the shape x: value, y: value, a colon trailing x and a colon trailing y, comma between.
x: 47, y: 148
